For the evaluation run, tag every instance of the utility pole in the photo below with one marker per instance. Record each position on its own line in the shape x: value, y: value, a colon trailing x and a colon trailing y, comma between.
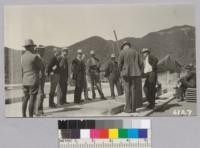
x: 113, y: 47
x: 115, y: 34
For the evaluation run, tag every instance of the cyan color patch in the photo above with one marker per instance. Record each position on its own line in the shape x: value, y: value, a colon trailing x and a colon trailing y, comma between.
x: 133, y: 133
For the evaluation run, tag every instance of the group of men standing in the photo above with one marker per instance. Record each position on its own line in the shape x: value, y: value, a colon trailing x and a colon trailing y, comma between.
x: 34, y: 75
x: 134, y: 66
x: 80, y: 70
x: 129, y: 70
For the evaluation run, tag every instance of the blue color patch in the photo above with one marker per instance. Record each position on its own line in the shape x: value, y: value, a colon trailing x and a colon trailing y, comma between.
x: 133, y: 133
x: 142, y: 133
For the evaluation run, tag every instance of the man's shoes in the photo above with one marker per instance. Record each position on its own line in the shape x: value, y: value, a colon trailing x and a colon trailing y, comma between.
x: 127, y: 111
x: 113, y: 97
x: 88, y: 99
x: 180, y: 100
x: 150, y: 106
x: 41, y: 112
x: 103, y: 98
x: 78, y: 102
x: 59, y: 105
x: 66, y: 102
x: 53, y: 105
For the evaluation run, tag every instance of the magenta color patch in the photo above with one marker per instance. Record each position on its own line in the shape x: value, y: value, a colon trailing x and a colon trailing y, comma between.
x: 94, y: 133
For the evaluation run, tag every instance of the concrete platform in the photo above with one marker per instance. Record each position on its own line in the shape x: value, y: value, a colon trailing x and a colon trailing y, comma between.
x: 141, y: 112
x: 92, y: 108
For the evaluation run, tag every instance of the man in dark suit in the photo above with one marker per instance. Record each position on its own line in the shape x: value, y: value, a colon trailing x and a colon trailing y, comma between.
x: 78, y: 70
x: 93, y: 71
x: 63, y: 81
x: 113, y: 74
x: 39, y: 103
x: 150, y: 72
x: 31, y: 67
x: 53, y: 71
x: 130, y: 66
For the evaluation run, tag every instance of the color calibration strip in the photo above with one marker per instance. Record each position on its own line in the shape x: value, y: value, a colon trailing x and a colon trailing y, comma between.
x: 111, y: 133
x: 104, y: 133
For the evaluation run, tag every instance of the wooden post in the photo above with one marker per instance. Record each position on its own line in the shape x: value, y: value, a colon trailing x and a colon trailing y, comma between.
x: 115, y: 34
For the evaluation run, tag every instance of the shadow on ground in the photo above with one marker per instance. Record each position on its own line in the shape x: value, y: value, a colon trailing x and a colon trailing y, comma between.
x: 167, y: 107
x: 64, y: 110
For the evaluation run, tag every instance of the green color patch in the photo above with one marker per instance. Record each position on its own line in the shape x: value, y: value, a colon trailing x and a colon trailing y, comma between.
x: 123, y: 133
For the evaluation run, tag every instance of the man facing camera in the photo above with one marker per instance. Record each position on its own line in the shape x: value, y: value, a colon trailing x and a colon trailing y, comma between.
x: 93, y: 70
x: 78, y: 70
x: 53, y: 72
x: 63, y: 80
x: 150, y: 72
x: 113, y: 74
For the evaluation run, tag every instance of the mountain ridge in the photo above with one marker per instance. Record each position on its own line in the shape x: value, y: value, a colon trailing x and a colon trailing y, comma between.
x: 178, y: 41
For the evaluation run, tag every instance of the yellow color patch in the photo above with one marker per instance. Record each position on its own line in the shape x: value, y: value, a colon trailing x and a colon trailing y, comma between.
x: 113, y: 133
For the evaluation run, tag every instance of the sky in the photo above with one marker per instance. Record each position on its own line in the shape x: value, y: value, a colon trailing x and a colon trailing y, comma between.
x: 64, y: 25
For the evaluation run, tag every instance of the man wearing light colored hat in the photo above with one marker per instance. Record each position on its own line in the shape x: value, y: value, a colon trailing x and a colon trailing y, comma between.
x: 150, y: 72
x: 93, y: 71
x: 125, y: 44
x: 113, y: 74
x: 31, y: 67
x: 78, y: 70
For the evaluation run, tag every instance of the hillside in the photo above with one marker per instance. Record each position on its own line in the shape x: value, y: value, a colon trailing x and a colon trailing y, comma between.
x: 178, y: 42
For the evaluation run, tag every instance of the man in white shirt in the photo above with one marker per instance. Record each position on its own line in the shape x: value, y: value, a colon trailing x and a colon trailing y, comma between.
x: 150, y: 72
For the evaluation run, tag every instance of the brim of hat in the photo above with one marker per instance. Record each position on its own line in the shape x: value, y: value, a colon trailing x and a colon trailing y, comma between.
x: 129, y: 44
x: 145, y: 51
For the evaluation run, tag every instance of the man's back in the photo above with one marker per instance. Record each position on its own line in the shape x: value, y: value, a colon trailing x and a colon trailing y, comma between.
x: 130, y: 62
x: 30, y: 68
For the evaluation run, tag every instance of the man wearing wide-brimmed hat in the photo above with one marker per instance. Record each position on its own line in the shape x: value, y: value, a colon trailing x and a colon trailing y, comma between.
x: 31, y: 67
x: 150, y: 73
x: 130, y: 66
x: 40, y: 50
x: 113, y: 74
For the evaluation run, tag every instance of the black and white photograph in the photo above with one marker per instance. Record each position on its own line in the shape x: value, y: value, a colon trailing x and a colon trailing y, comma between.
x: 90, y: 60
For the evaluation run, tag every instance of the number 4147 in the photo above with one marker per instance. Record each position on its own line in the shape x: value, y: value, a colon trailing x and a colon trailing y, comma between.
x: 182, y: 112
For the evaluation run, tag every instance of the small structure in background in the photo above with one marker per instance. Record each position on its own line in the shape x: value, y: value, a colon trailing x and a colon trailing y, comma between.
x: 169, y: 71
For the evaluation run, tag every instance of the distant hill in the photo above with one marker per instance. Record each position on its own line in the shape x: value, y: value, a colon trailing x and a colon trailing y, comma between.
x: 178, y: 42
